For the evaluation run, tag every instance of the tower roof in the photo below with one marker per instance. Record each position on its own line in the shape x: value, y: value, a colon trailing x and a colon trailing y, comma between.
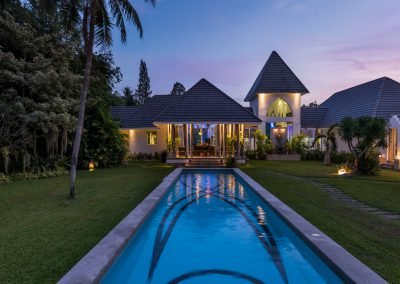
x: 276, y: 77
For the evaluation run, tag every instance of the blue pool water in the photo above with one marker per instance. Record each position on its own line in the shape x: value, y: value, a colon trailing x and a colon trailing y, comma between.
x: 212, y: 228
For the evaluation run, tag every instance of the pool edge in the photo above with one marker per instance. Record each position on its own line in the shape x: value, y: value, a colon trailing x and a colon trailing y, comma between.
x: 343, y: 262
x: 91, y: 267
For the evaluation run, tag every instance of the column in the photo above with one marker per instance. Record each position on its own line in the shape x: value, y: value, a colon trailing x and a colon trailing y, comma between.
x: 185, y: 139
x: 238, y: 140
x: 224, y: 126
x: 191, y: 140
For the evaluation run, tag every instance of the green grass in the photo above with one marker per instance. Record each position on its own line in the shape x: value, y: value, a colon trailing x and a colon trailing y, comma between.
x: 380, y: 194
x: 374, y: 241
x: 381, y: 191
x: 43, y: 234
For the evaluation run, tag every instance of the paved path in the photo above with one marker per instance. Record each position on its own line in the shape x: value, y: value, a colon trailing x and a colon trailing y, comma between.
x: 338, y: 195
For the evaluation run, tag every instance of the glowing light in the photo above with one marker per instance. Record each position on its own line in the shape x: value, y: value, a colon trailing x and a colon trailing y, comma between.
x: 342, y: 172
x: 91, y: 166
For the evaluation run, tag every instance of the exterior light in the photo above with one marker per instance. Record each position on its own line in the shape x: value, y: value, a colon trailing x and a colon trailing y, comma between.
x: 91, y: 166
x: 342, y: 172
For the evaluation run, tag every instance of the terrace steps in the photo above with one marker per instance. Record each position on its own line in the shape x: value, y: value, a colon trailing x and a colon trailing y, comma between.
x: 206, y: 163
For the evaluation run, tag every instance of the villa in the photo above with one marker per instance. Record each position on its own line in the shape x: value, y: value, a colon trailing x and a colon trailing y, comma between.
x: 206, y: 122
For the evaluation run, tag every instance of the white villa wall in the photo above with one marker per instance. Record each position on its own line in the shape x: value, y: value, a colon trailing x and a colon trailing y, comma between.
x: 137, y: 140
x: 264, y: 100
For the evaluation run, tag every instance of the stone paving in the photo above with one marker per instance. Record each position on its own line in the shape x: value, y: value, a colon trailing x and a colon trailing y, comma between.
x: 338, y: 195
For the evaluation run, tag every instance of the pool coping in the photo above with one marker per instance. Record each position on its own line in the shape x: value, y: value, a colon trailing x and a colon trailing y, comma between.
x: 98, y: 260
x: 92, y: 267
x: 339, y: 259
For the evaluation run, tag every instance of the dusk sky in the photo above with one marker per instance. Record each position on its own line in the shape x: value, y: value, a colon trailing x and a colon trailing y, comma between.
x: 330, y: 45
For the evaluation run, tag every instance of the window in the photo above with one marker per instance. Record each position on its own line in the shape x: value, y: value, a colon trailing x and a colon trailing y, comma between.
x: 279, y: 108
x: 151, y: 137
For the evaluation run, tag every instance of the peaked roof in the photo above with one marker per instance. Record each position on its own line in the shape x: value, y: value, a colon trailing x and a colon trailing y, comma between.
x: 276, y: 77
x: 145, y: 114
x: 122, y: 112
x: 380, y: 97
x: 205, y: 103
x: 311, y: 117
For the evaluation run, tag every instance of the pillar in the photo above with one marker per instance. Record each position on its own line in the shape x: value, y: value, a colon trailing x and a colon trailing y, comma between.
x: 185, y: 139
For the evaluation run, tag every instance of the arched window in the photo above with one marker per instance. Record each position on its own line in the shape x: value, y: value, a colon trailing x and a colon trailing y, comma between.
x: 279, y: 108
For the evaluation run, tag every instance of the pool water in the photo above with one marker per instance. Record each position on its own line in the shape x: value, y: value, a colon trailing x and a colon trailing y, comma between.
x: 211, y: 227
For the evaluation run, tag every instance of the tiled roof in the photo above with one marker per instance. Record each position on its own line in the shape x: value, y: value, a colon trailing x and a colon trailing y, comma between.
x: 122, y: 112
x: 205, y: 103
x: 380, y: 97
x: 311, y: 117
x: 249, y: 109
x: 276, y: 77
x: 144, y: 116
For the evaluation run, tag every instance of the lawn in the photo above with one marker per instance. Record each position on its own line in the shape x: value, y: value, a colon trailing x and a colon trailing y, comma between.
x: 43, y: 234
x: 374, y: 241
x: 381, y: 191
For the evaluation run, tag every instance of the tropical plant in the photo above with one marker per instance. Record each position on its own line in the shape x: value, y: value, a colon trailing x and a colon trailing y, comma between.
x: 364, y: 135
x: 330, y: 143
x: 230, y: 143
x: 296, y: 145
x: 178, y: 89
x: 96, y: 19
x: 264, y: 145
x: 127, y: 92
x: 143, y: 91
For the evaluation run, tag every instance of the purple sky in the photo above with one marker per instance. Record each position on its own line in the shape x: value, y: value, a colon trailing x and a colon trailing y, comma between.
x: 330, y: 45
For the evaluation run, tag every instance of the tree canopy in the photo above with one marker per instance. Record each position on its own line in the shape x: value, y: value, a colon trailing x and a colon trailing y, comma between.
x: 178, y: 89
x: 364, y: 135
x: 143, y: 90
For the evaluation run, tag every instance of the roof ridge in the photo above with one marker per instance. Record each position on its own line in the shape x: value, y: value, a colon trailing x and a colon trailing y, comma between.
x: 378, y: 99
x: 188, y: 93
x: 179, y: 97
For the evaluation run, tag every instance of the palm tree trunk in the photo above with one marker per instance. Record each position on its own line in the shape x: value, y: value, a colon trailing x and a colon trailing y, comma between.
x: 327, y: 158
x: 82, y: 104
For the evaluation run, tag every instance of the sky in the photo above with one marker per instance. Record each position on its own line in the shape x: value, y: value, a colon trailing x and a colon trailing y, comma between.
x: 329, y: 45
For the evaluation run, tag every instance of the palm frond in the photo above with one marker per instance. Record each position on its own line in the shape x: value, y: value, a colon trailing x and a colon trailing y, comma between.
x: 130, y: 15
x: 104, y: 25
x: 118, y: 17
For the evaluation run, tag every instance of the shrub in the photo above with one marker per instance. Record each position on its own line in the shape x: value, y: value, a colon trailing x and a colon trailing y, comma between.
x: 342, y: 157
x: 264, y: 145
x: 296, y: 145
x: 231, y: 162
x: 370, y: 164
x: 312, y: 155
x: 251, y: 155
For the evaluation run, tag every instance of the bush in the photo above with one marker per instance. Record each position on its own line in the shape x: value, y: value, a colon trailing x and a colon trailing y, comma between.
x: 296, y: 145
x: 312, y: 155
x: 164, y: 156
x: 231, y: 162
x: 251, y: 155
x: 370, y: 164
x: 342, y: 157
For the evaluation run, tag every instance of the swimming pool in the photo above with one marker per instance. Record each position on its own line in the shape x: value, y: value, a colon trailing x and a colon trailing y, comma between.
x: 211, y: 227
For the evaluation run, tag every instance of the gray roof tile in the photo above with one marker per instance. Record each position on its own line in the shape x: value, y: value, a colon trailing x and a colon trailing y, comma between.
x: 276, y: 77
x: 205, y: 103
x: 311, y: 117
x: 380, y: 97
x: 144, y: 116
x: 122, y: 112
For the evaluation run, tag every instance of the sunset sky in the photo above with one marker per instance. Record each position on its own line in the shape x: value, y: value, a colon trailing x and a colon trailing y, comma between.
x: 330, y: 45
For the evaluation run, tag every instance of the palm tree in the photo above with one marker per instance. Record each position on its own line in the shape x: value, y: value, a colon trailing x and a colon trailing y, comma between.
x: 330, y: 143
x: 96, y: 19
